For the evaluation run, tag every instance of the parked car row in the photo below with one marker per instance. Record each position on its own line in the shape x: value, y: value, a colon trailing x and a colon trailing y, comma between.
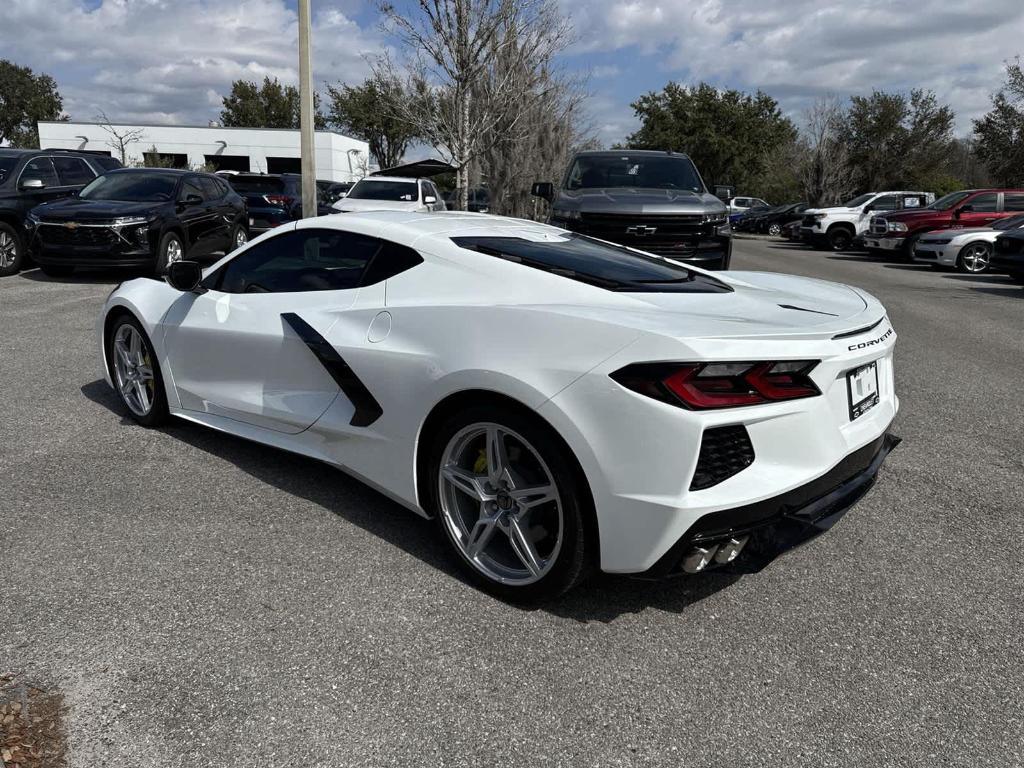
x: 65, y: 209
x: 970, y: 230
x: 769, y: 220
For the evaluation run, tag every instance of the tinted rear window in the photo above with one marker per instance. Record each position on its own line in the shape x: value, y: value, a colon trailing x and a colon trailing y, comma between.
x: 384, y: 190
x: 260, y: 185
x: 591, y: 261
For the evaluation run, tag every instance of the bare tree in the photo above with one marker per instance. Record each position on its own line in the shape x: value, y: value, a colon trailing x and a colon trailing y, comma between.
x: 825, y: 172
x: 458, y: 95
x: 120, y: 138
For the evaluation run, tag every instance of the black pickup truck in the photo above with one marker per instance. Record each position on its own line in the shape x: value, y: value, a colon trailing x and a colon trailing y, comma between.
x: 648, y: 200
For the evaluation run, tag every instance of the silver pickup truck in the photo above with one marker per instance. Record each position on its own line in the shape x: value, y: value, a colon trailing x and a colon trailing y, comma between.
x: 651, y: 201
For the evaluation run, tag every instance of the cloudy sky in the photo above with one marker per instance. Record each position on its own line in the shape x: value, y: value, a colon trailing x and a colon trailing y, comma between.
x: 173, y: 60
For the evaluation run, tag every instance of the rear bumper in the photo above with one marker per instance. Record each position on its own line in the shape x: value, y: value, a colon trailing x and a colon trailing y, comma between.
x: 776, y: 525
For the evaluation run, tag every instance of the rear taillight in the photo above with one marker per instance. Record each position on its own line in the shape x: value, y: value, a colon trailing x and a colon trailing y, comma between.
x: 701, y: 386
x: 282, y: 200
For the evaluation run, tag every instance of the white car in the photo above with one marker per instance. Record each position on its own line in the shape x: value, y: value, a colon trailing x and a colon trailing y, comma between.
x: 391, y: 193
x: 968, y: 250
x: 740, y: 204
x: 557, y: 403
x: 839, y: 227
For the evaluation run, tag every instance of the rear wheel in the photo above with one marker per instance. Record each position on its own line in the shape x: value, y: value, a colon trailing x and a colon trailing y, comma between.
x: 239, y: 237
x: 774, y: 230
x: 509, y: 503
x: 136, y: 373
x: 12, y: 251
x: 974, y: 258
x: 840, y: 238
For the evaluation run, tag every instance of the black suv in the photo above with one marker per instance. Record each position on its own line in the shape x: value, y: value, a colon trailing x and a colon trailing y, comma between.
x: 652, y: 201
x: 29, y: 177
x: 138, y: 217
x: 274, y: 199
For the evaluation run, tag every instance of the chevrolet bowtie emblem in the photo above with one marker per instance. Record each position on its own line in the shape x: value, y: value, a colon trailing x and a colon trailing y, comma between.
x: 70, y: 225
x: 641, y: 230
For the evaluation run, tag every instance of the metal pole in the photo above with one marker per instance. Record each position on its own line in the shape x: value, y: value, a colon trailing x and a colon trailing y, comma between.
x: 308, y: 142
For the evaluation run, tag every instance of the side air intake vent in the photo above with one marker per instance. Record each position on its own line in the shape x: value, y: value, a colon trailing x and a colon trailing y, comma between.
x: 724, y: 452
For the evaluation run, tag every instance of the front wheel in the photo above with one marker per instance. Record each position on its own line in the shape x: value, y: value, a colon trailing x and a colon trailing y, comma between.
x: 136, y: 373
x: 239, y: 237
x: 12, y: 251
x: 774, y: 230
x: 509, y: 503
x: 170, y: 250
x: 974, y: 258
x: 840, y: 239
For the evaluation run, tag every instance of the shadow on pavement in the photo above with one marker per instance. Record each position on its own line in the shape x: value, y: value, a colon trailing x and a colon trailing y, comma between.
x: 604, y: 598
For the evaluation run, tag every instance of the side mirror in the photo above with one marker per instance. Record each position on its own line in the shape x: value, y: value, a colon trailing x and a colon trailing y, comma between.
x: 965, y: 209
x: 868, y: 208
x: 429, y: 199
x: 191, y: 200
x: 543, y: 189
x: 32, y: 184
x: 184, y: 276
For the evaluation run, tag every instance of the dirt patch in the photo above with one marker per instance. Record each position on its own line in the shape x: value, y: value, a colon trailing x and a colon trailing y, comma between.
x: 31, y: 728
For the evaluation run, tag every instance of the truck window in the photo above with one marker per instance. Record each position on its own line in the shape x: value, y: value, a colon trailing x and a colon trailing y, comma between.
x: 1013, y: 201
x: 986, y: 203
x: 885, y: 203
x: 638, y: 171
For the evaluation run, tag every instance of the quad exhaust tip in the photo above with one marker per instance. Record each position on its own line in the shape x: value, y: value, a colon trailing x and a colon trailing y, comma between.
x: 700, y: 558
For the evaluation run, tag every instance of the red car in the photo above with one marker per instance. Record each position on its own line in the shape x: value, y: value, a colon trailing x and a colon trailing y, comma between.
x: 972, y: 208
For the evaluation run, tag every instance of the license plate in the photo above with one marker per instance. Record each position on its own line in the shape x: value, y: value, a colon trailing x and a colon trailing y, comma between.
x: 862, y: 386
x: 871, y: 243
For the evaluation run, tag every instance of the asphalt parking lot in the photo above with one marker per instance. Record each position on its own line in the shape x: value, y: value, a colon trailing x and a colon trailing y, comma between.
x: 200, y: 600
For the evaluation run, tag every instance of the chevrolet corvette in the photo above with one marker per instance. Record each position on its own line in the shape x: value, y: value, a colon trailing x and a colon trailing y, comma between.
x: 558, y: 404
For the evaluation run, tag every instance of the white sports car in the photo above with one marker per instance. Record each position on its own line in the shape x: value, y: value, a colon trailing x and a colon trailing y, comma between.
x: 557, y: 403
x: 969, y: 250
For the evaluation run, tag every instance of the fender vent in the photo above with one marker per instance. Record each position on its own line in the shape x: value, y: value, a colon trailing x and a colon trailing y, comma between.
x: 724, y: 452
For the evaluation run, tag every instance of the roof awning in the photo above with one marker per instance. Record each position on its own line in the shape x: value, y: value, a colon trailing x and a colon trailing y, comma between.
x: 419, y: 169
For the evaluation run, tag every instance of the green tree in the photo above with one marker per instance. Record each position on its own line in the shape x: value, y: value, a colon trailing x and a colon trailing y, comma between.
x: 26, y: 98
x: 368, y: 112
x: 270, y: 105
x: 894, y: 141
x: 999, y: 134
x: 731, y: 136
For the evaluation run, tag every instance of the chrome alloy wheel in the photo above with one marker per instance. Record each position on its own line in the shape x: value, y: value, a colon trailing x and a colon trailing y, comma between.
x: 774, y: 230
x: 241, y: 238
x: 975, y: 257
x: 174, y: 252
x: 133, y: 370
x: 8, y: 250
x: 500, y: 504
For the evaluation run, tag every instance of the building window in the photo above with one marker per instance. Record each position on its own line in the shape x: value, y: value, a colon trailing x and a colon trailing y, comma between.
x: 284, y: 165
x: 164, y: 160
x: 238, y: 163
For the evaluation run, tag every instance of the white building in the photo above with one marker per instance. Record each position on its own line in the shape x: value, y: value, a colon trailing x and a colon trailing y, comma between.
x: 259, y: 150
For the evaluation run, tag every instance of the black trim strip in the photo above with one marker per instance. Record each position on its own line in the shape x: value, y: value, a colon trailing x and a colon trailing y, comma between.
x: 859, y: 331
x: 368, y: 410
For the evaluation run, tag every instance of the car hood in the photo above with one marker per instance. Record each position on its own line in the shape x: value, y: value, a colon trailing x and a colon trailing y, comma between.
x: 761, y: 305
x: 946, y: 234
x: 626, y: 200
x: 76, y: 209
x: 348, y: 205
x: 832, y: 210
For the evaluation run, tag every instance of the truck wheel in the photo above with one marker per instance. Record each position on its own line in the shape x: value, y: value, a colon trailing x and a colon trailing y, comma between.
x: 840, y: 238
x: 12, y: 251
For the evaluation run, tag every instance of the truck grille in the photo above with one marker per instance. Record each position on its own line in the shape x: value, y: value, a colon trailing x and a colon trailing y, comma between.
x: 677, y: 235
x: 879, y: 226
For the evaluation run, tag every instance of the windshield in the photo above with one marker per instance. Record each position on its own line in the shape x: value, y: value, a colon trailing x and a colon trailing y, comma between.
x: 858, y: 201
x: 1014, y: 222
x: 947, y: 202
x: 404, y: 191
x: 591, y: 261
x: 133, y: 187
x: 6, y: 166
x: 639, y: 171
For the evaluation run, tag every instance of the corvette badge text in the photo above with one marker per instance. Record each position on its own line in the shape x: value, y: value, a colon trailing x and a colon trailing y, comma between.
x: 871, y: 343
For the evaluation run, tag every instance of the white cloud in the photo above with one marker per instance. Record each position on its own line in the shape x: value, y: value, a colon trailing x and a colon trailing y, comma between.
x: 173, y: 60
x: 799, y: 48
